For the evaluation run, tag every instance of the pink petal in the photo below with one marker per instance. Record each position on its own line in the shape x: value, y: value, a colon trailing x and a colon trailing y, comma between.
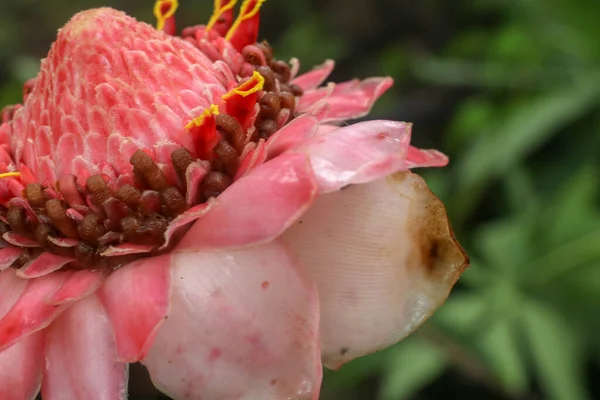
x: 11, y: 288
x: 81, y: 356
x: 183, y: 220
x: 31, y: 312
x: 194, y: 175
x: 419, y: 158
x: 77, y: 286
x: 258, y: 207
x: 314, y: 78
x: 21, y: 368
x: 384, y: 258
x: 18, y: 240
x: 348, y: 100
x: 291, y: 135
x: 126, y: 249
x: 63, y: 242
x: 136, y: 299
x: 253, y: 159
x: 8, y: 256
x: 357, y: 153
x: 243, y: 325
x: 42, y: 265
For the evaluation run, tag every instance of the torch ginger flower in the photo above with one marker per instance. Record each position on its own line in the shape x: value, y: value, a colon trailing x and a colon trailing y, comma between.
x: 192, y: 203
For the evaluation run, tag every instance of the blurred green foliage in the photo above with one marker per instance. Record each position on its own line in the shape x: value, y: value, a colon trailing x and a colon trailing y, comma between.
x: 510, y: 89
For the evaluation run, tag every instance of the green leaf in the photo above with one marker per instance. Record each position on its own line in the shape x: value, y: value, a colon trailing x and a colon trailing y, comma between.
x: 414, y: 364
x: 530, y: 124
x: 352, y: 374
x: 562, y: 259
x: 574, y: 208
x: 556, y: 351
x: 461, y: 313
x: 499, y: 345
x: 506, y: 244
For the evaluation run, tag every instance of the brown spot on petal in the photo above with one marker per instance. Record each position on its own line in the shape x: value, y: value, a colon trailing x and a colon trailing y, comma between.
x: 442, y: 259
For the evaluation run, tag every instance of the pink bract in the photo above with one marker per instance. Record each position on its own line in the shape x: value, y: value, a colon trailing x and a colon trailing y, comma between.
x: 191, y: 203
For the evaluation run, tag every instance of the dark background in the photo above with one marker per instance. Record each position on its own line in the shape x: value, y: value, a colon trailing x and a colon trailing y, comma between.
x: 510, y: 89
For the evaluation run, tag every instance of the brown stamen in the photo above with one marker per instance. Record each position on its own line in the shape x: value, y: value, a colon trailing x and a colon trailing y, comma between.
x: 227, y: 156
x: 232, y: 130
x: 148, y: 169
x: 149, y: 203
x: 34, y: 193
x: 129, y: 195
x: 288, y: 101
x: 15, y: 216
x: 98, y: 189
x: 266, y: 49
x: 270, y: 84
x: 91, y: 228
x: 174, y: 202
x: 181, y: 160
x: 42, y: 231
x: 270, y: 105
x: 214, y: 184
x: 58, y: 216
x: 266, y: 128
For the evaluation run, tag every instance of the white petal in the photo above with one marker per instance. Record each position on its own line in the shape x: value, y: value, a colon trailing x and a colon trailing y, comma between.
x: 81, y: 356
x: 384, y: 258
x: 243, y: 325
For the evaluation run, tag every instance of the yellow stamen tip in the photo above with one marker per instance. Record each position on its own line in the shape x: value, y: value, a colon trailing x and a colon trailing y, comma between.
x: 161, y: 17
x: 241, y: 90
x: 212, y: 110
x: 218, y: 11
x: 10, y: 175
x: 245, y: 13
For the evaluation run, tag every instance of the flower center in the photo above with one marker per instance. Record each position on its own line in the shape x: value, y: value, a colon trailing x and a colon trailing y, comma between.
x: 104, y: 223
